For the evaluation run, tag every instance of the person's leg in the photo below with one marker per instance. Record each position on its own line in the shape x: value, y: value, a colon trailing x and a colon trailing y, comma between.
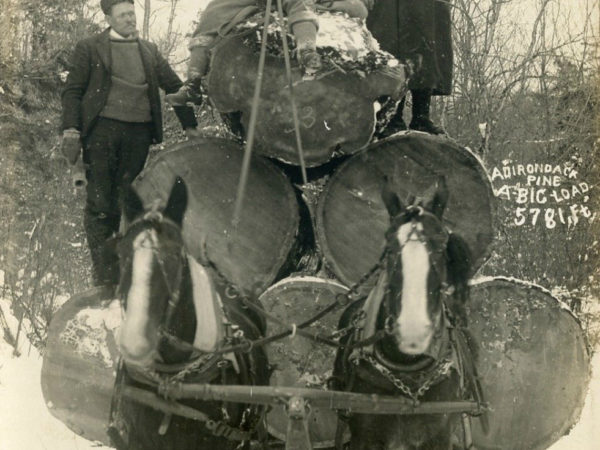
x: 421, y: 103
x: 305, y: 33
x: 100, y: 218
x: 303, y: 22
x: 396, y: 123
x: 133, y: 152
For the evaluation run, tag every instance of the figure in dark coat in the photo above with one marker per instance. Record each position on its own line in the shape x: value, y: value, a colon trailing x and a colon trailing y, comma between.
x: 419, y: 31
x: 111, y: 107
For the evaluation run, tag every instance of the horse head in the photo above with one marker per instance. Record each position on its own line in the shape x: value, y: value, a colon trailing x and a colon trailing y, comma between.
x: 419, y: 265
x: 153, y: 273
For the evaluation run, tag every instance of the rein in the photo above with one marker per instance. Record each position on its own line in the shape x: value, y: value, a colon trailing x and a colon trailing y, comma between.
x: 244, y: 345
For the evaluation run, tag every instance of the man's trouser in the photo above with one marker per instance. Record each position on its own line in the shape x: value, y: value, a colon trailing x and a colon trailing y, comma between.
x: 115, y: 153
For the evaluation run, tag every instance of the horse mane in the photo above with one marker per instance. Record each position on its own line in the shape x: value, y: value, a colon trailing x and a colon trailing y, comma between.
x: 459, y: 259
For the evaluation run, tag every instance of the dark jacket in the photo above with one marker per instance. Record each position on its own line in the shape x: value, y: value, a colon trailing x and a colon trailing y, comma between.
x: 408, y: 28
x: 89, y: 82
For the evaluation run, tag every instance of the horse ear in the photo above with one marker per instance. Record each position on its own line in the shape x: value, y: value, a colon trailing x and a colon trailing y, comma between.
x: 390, y: 198
x: 177, y: 203
x: 436, y: 197
x: 132, y: 204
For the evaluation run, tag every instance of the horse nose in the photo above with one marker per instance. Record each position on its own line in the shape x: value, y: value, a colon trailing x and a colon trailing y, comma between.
x: 416, y: 338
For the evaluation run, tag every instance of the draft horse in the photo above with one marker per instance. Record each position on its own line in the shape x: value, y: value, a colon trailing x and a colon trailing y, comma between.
x: 176, y: 319
x: 412, y: 321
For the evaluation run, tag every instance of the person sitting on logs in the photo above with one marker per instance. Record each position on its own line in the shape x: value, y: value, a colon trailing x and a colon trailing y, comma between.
x: 417, y: 31
x: 221, y: 16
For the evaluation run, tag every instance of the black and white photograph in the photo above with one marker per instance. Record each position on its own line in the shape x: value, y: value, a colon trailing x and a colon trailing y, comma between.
x: 299, y: 224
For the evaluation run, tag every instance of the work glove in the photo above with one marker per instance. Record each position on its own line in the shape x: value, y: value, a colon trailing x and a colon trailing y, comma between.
x: 71, y: 145
x: 199, y: 61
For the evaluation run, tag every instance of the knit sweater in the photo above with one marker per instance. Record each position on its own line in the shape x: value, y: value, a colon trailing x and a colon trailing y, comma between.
x: 128, y: 99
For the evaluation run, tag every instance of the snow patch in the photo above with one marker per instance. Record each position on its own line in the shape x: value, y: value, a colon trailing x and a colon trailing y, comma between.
x: 87, y: 331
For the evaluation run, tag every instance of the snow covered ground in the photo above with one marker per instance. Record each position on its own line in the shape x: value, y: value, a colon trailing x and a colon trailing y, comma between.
x: 26, y: 424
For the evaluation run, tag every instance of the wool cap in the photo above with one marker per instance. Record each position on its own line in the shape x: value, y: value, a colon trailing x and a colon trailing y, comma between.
x: 106, y: 5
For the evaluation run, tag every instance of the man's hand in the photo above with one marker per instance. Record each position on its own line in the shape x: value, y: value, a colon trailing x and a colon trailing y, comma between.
x: 193, y: 133
x: 71, y: 145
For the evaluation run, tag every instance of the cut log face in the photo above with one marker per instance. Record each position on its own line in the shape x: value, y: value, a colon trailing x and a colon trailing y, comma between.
x: 250, y: 255
x: 335, y: 113
x: 80, y: 362
x: 352, y: 219
x: 533, y: 364
x: 298, y: 361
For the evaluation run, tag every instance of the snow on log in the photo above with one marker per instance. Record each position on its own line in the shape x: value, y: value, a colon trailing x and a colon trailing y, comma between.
x: 80, y: 363
x: 336, y: 109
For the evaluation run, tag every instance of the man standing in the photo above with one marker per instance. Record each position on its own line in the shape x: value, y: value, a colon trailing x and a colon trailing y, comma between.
x: 111, y: 108
x: 419, y: 31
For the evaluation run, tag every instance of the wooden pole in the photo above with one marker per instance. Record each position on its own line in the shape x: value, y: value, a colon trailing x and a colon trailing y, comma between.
x: 358, y: 403
x: 239, y: 199
x: 288, y: 73
x: 160, y: 404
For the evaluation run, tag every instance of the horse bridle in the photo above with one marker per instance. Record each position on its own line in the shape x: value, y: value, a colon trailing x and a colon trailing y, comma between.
x: 411, y: 214
x: 154, y: 218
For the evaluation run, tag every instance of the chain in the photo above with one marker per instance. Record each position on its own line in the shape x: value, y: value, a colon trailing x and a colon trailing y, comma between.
x: 232, y: 290
x: 442, y: 370
x: 197, y: 364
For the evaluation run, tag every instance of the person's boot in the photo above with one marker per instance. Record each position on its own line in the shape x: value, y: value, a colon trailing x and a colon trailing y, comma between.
x: 191, y: 91
x: 421, y: 102
x: 105, y: 264
x: 305, y: 33
x: 396, y: 123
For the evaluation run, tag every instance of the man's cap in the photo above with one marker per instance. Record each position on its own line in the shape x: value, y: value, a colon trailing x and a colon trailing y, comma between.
x: 106, y: 5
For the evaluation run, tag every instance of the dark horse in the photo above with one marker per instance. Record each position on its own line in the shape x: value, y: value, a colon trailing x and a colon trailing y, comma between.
x: 171, y: 303
x: 415, y: 308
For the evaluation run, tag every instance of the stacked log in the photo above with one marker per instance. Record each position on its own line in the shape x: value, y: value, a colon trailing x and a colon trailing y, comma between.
x: 336, y: 108
x: 251, y: 254
x: 533, y: 364
x: 351, y: 218
x: 300, y: 362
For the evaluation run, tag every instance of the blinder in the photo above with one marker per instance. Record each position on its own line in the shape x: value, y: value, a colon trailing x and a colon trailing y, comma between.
x: 171, y: 255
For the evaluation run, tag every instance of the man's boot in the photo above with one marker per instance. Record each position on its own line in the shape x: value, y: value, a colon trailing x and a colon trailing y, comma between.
x: 305, y: 33
x: 396, y: 123
x: 421, y: 102
x: 191, y: 91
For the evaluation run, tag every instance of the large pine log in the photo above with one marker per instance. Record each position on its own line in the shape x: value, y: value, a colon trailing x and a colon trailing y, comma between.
x: 300, y: 362
x: 80, y: 361
x: 251, y: 254
x: 533, y: 364
x: 352, y: 220
x: 335, y: 110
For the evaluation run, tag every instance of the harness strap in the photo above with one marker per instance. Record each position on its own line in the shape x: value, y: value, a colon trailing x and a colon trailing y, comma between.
x: 117, y: 429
